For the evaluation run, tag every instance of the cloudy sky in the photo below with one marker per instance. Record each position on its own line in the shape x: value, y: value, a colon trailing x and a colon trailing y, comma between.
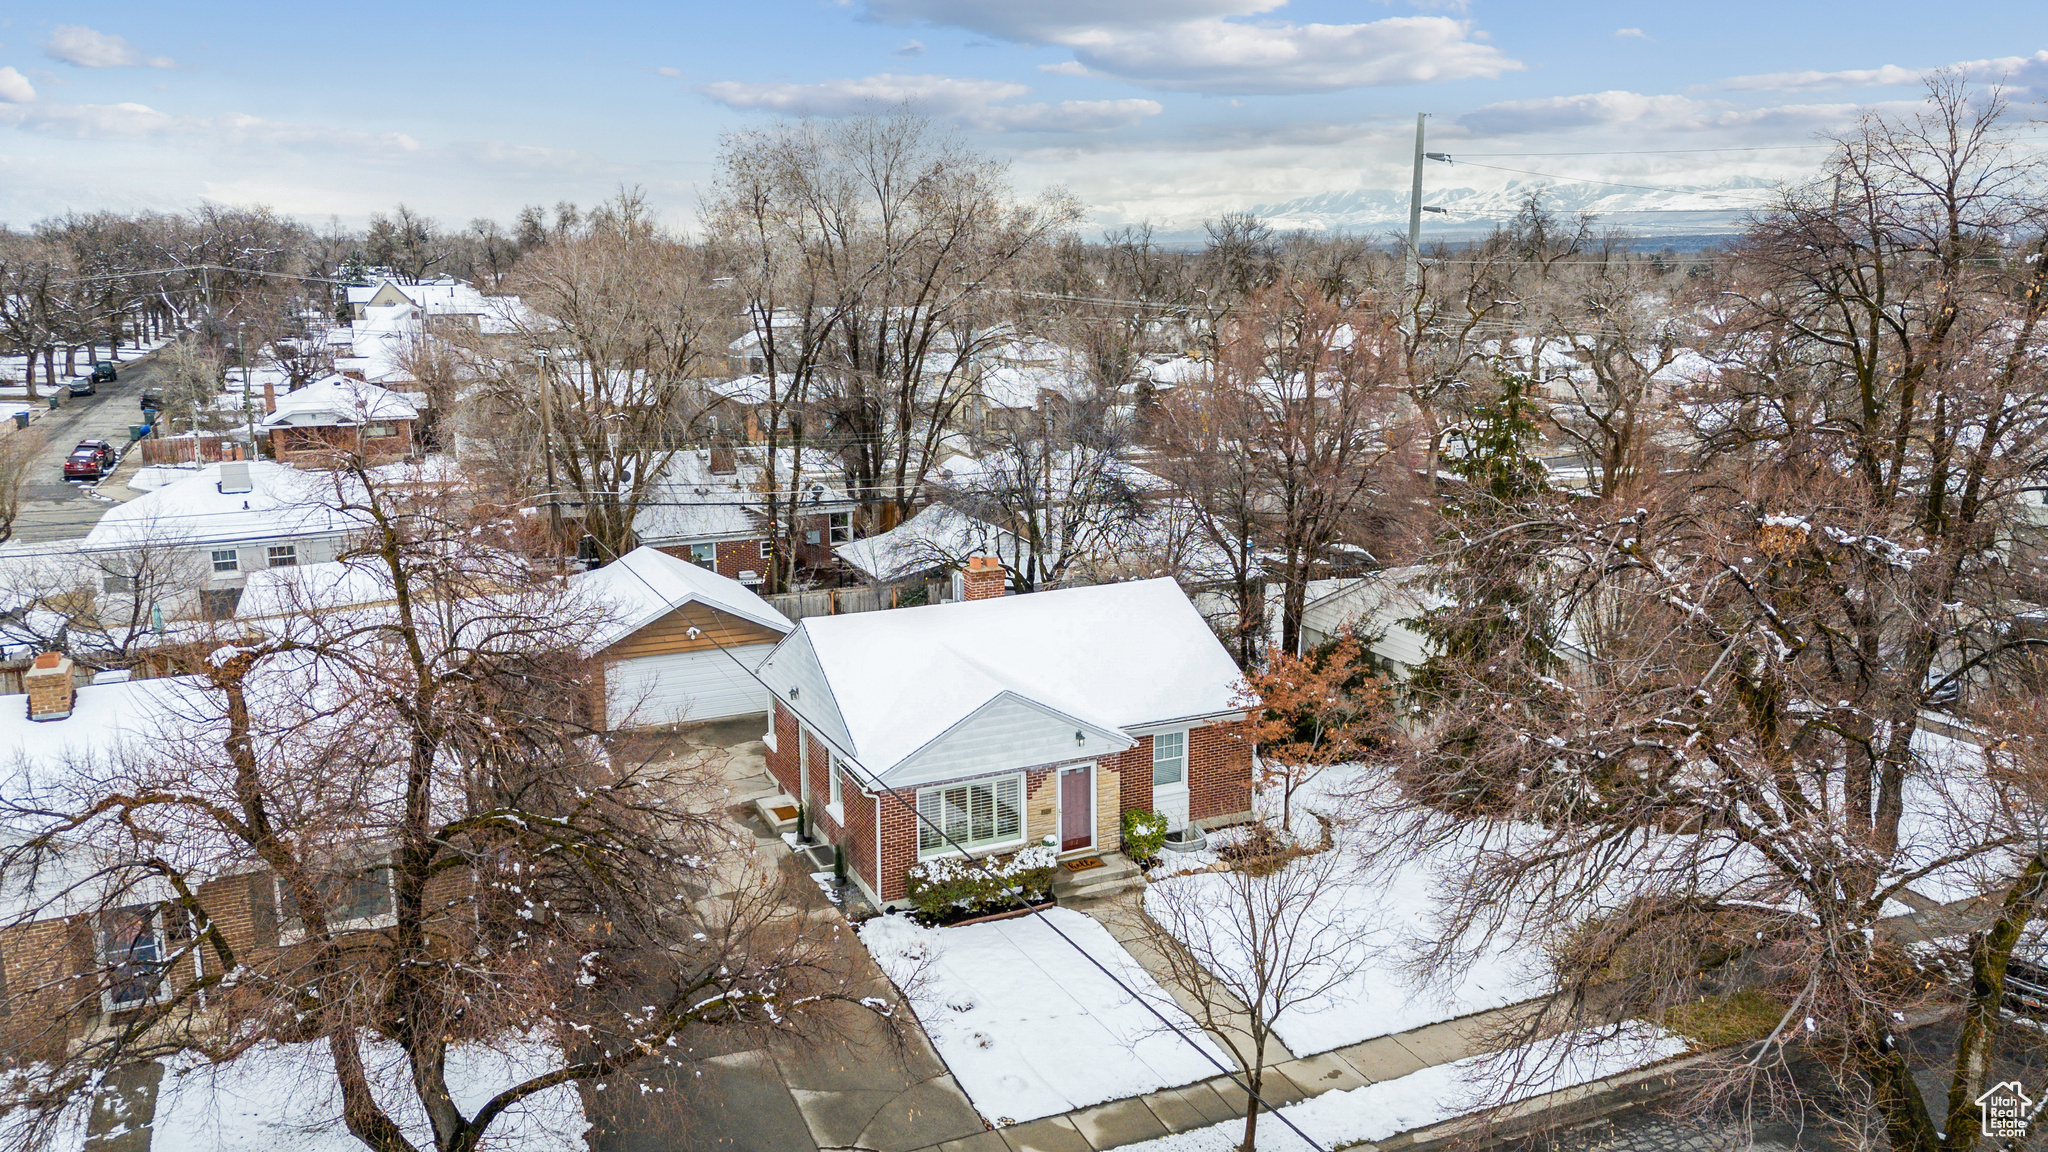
x: 1161, y: 110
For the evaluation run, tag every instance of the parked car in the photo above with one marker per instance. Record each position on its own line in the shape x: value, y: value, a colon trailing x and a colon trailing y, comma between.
x: 2026, y: 986
x: 103, y: 372
x: 83, y: 386
x: 153, y: 400
x: 91, y: 460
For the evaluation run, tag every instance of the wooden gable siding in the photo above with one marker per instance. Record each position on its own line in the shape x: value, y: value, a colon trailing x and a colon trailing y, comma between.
x: 671, y: 633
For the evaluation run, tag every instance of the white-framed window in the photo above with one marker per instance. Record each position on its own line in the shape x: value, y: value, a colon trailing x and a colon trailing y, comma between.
x: 227, y: 560
x: 977, y: 814
x: 767, y: 549
x: 841, y: 526
x: 358, y: 897
x: 377, y: 430
x: 1169, y: 758
x: 117, y: 584
x: 704, y: 555
x: 136, y: 956
x: 283, y: 555
x: 832, y: 785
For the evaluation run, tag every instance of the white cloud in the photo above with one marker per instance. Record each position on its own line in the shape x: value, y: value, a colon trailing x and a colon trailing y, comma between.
x: 909, y: 49
x: 15, y: 88
x: 1632, y: 34
x: 1193, y: 46
x: 1065, y: 116
x: 937, y: 95
x: 1659, y: 115
x: 1054, y: 21
x: 129, y: 121
x: 1216, y: 56
x: 2019, y: 72
x: 974, y: 103
x: 79, y: 45
x: 671, y: 73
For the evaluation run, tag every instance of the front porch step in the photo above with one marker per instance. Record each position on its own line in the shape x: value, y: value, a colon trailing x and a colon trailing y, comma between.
x: 1116, y: 875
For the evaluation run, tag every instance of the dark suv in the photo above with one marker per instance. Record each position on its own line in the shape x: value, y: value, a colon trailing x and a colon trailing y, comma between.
x: 103, y: 372
x: 91, y: 460
x: 152, y: 401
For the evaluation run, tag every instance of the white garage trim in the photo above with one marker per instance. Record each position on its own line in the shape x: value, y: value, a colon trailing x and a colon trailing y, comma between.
x: 684, y: 687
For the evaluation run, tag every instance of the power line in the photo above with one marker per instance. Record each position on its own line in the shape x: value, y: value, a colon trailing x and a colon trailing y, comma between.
x: 1661, y: 151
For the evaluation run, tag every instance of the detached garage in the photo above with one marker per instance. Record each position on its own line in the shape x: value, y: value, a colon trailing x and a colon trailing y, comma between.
x: 682, y: 643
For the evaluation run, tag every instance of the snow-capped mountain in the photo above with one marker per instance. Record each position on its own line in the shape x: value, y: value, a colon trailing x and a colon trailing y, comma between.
x: 1688, y: 210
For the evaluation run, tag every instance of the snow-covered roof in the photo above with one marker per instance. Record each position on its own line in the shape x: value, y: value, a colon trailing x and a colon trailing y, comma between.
x: 936, y: 535
x: 282, y: 502
x: 646, y: 584
x: 337, y: 400
x: 327, y: 584
x: 1112, y: 657
x: 691, y: 503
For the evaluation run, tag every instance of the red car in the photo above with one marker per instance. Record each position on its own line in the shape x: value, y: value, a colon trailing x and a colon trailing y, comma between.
x: 91, y: 460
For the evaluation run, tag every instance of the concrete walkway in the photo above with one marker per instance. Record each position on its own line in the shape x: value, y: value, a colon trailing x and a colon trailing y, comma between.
x: 857, y: 1092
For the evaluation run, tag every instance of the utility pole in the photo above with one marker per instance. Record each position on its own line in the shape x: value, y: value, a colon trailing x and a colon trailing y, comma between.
x: 547, y: 451
x: 1415, y: 209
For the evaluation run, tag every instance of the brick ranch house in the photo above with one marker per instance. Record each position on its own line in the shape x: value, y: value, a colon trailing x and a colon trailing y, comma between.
x: 1006, y: 721
x: 709, y: 508
x: 84, y: 941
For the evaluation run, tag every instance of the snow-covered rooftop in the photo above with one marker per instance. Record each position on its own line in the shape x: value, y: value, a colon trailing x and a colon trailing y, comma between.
x: 337, y: 400
x: 282, y: 502
x: 1116, y: 656
x: 936, y: 535
x: 646, y: 584
x: 690, y: 502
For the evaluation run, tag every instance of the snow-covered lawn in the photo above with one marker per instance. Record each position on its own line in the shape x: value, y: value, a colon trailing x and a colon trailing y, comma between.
x: 1029, y: 1026
x: 283, y: 1096
x: 1389, y: 913
x: 1436, y: 1094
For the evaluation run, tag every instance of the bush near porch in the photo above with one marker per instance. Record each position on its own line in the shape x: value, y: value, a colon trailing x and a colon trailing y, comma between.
x: 953, y: 887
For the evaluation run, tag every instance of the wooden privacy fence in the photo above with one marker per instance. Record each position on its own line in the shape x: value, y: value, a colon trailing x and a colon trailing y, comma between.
x: 866, y: 598
x: 186, y: 449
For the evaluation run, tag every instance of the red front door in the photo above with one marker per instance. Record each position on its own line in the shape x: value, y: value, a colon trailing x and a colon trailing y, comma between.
x: 1077, y: 808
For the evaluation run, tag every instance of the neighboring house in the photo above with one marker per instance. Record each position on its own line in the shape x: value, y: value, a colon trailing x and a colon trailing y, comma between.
x: 710, y: 508
x: 1380, y: 608
x: 936, y: 541
x: 336, y: 414
x: 199, y: 538
x: 680, y: 643
x: 1006, y: 721
x: 69, y: 963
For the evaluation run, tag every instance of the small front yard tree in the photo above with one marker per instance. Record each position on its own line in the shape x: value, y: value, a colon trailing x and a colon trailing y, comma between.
x: 1249, y: 945
x: 1312, y: 712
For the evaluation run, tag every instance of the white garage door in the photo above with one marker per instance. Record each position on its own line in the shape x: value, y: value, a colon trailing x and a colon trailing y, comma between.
x: 686, y: 686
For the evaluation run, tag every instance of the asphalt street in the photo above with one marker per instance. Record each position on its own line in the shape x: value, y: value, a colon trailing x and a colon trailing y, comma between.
x: 54, y: 508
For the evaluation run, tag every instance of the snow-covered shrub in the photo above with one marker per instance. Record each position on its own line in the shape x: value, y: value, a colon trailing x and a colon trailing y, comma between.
x: 1144, y: 834
x: 953, y: 885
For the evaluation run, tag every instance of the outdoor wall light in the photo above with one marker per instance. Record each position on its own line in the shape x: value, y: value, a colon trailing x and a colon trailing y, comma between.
x: 1080, y: 737
x: 792, y: 693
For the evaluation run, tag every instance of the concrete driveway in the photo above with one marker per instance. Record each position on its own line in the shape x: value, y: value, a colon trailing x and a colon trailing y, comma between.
x: 854, y: 1081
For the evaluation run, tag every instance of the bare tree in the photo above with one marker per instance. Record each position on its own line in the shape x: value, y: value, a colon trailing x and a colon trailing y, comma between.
x: 1059, y: 482
x: 437, y: 851
x: 1247, y: 946
x: 1732, y: 772
x: 19, y: 452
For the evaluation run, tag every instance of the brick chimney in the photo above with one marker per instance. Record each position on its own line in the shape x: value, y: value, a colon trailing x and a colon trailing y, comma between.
x: 269, y: 397
x: 50, y: 691
x: 983, y: 580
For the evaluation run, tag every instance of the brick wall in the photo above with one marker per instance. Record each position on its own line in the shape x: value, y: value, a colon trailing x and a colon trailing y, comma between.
x: 1219, y: 771
x: 899, y: 849
x: 1134, y: 770
x: 782, y: 759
